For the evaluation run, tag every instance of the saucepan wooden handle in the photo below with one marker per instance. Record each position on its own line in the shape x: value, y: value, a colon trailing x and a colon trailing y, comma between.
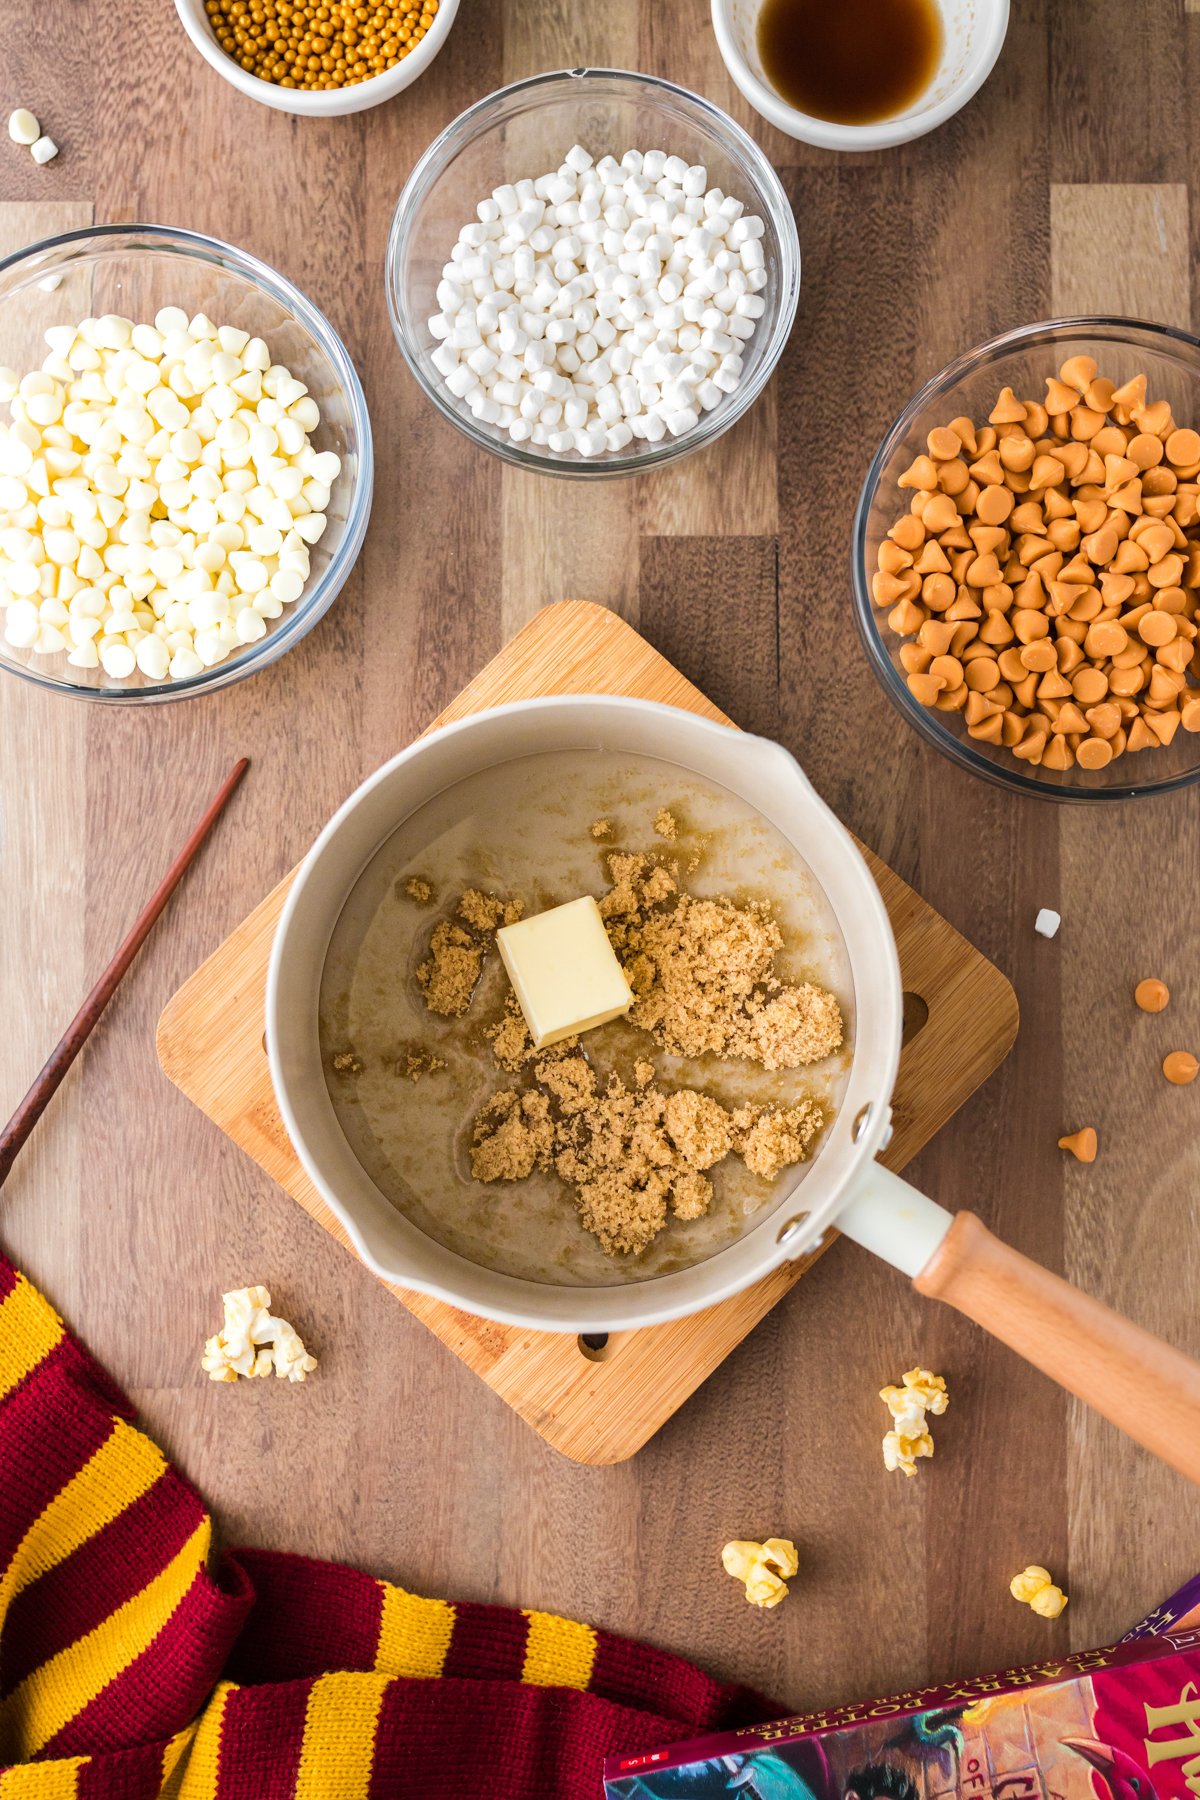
x: 1142, y: 1385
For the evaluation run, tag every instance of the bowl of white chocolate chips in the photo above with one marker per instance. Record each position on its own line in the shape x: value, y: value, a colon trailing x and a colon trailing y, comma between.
x: 185, y: 464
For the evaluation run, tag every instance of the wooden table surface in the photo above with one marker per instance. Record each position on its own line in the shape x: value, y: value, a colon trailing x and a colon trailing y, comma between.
x: 1064, y: 187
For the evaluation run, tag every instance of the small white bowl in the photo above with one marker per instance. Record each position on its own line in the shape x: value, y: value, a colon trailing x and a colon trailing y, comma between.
x: 973, y: 32
x: 326, y: 103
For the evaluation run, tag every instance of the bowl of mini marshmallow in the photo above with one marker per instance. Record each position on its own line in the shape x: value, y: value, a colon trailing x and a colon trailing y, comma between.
x: 185, y: 464
x: 593, y: 272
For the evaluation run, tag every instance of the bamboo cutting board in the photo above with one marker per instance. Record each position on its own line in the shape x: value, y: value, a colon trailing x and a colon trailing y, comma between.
x: 597, y: 1402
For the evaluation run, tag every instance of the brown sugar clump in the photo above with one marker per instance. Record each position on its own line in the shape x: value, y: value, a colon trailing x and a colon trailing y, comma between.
x: 799, y: 1025
x: 601, y: 828
x: 626, y: 873
x: 449, y: 975
x: 770, y: 1141
x: 698, y: 1127
x: 643, y: 1073
x: 511, y: 1043
x: 571, y: 1081
x: 633, y: 1157
x: 702, y: 973
x: 513, y: 1135
x: 346, y: 1063
x: 418, y: 889
x: 414, y: 1061
x: 664, y: 824
x: 487, y: 912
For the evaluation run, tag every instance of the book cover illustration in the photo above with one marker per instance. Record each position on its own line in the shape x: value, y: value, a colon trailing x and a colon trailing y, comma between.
x: 1125, y: 1732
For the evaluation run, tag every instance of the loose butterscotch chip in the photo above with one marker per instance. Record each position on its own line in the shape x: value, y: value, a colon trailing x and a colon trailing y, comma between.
x: 1081, y: 1144
x: 1180, y: 1068
x: 1152, y: 995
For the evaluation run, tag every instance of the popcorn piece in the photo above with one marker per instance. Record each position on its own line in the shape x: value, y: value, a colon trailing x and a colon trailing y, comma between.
x: 762, y: 1567
x: 922, y: 1392
x: 1047, y: 922
x: 1049, y: 1603
x: 292, y: 1361
x: 902, y: 1452
x: 1033, y: 1587
x: 253, y: 1342
x: 931, y: 1388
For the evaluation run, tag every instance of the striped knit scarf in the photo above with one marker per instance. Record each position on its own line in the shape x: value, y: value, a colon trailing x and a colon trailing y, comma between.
x: 130, y: 1667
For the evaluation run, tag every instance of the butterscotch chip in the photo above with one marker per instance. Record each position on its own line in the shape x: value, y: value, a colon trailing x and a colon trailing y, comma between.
x: 1151, y: 994
x: 1180, y: 1068
x: 1094, y: 753
x: 1081, y: 1144
x: 1183, y: 447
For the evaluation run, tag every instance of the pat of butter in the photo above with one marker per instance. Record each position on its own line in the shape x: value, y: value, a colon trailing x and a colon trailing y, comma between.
x: 564, y: 971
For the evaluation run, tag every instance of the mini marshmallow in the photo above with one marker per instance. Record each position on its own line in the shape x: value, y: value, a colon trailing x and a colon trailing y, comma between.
x: 43, y: 150
x: 1047, y: 922
x: 605, y: 272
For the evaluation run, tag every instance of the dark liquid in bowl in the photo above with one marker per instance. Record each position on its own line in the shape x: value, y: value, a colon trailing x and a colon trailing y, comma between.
x: 850, y: 61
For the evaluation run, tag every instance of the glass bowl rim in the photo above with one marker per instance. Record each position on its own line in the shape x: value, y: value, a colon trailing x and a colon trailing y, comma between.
x: 467, y: 124
x: 1043, y: 331
x: 202, y: 248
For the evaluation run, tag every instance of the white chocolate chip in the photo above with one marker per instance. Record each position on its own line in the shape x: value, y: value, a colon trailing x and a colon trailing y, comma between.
x: 110, y: 434
x: 23, y: 127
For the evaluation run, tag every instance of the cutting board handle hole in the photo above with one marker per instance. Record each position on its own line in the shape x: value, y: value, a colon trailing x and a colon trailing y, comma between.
x: 916, y: 1011
x: 593, y: 1345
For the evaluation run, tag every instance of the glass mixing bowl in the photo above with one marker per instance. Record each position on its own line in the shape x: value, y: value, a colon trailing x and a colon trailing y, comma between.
x: 1022, y: 360
x: 526, y: 129
x: 134, y: 270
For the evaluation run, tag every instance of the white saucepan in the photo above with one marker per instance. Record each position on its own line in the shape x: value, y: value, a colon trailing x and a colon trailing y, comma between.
x: 1149, y: 1389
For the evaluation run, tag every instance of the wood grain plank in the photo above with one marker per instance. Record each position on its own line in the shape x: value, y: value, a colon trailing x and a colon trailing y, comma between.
x: 564, y: 536
x: 1120, y: 1212
x: 43, y: 830
x: 1102, y: 122
x: 729, y: 489
x: 1150, y: 278
x: 733, y: 589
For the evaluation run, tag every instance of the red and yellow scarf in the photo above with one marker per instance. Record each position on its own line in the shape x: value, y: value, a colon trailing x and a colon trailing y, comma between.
x: 131, y: 1666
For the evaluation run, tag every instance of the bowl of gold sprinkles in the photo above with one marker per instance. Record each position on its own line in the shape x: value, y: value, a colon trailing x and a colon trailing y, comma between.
x: 318, y: 58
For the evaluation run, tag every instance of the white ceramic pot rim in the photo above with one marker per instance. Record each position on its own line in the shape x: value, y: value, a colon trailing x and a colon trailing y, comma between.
x: 826, y: 134
x: 326, y: 103
x: 753, y: 767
